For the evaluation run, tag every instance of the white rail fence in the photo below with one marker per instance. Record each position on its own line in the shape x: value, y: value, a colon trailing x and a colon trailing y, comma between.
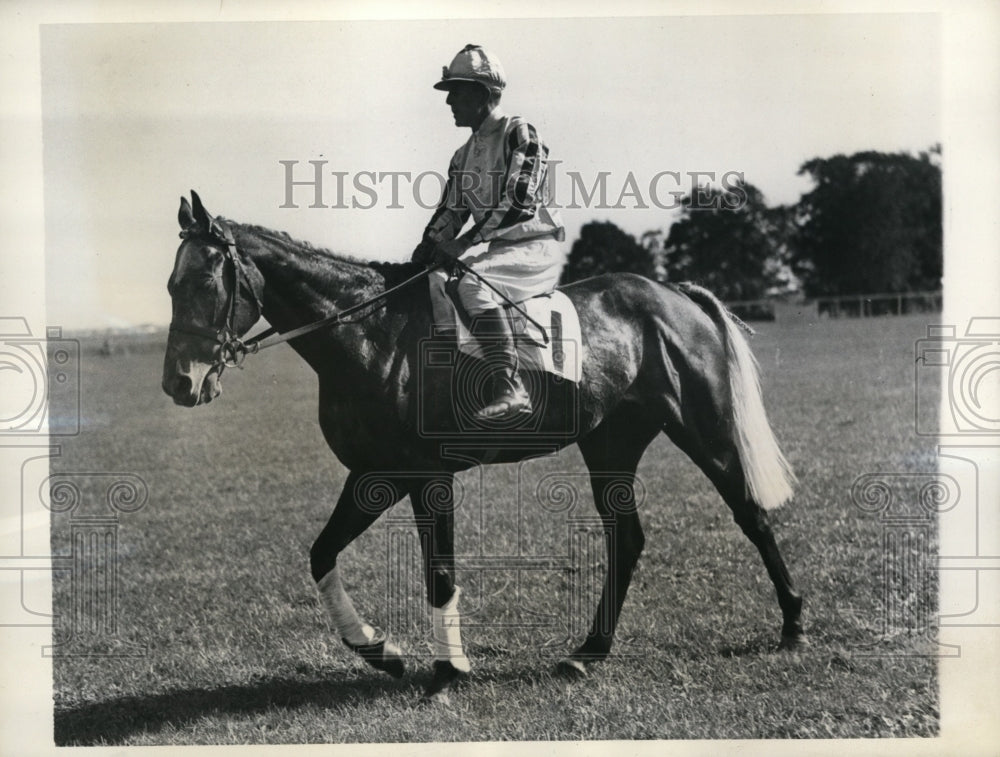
x: 844, y: 306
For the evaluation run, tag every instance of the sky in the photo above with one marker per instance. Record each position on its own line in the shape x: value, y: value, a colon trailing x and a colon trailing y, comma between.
x: 136, y: 114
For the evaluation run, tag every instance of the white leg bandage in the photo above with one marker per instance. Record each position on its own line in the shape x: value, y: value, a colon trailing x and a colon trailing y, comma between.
x: 341, y: 610
x: 448, y: 634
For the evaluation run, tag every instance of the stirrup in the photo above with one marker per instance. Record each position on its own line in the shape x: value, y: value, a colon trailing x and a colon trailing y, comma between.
x: 510, y: 402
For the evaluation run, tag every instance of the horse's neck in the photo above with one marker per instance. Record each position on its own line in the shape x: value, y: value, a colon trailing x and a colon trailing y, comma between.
x: 304, y: 285
x: 303, y: 282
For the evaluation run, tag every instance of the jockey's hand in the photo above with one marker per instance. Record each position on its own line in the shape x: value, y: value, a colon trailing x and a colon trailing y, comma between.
x: 423, y: 253
x: 446, y: 252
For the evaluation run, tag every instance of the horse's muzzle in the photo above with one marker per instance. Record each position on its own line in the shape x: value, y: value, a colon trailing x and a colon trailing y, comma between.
x: 186, y: 391
x: 179, y: 387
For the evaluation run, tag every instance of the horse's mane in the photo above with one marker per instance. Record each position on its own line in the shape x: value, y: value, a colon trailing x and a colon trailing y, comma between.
x: 284, y: 239
x: 367, y: 273
x: 383, y: 268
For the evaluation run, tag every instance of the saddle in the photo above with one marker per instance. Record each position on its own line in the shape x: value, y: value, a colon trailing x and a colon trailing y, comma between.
x: 556, y: 347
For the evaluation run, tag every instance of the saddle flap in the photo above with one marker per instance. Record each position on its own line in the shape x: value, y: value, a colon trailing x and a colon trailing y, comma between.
x: 557, y: 350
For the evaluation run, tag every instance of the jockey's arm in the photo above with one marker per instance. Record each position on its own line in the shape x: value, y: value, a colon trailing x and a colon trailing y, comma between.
x: 519, y: 196
x: 448, y: 219
x: 452, y: 249
x: 521, y: 189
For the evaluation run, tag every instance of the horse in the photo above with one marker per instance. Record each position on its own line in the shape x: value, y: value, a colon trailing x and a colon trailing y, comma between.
x: 659, y: 358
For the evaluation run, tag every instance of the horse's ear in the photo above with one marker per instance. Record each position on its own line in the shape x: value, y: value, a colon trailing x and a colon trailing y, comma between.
x: 184, y: 216
x: 200, y: 214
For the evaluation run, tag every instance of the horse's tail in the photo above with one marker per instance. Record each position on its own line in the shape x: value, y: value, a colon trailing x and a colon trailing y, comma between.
x: 769, y: 477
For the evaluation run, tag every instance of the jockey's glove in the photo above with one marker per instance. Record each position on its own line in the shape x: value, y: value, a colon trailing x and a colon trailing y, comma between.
x: 423, y: 253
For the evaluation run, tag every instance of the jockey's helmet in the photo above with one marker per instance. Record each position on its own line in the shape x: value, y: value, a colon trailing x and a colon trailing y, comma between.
x: 473, y: 63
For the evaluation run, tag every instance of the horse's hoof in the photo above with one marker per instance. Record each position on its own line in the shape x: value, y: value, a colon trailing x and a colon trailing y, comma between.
x: 571, y: 669
x: 440, y: 699
x: 381, y: 654
x: 794, y: 642
x: 445, y: 677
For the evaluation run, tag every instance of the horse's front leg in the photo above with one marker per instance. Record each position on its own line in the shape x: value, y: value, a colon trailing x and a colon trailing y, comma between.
x: 362, y: 500
x: 433, y: 503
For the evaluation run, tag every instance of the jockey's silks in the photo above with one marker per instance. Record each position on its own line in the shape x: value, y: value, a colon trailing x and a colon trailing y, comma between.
x: 500, y: 178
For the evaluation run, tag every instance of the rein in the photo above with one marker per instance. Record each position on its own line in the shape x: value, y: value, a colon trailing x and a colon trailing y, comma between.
x: 232, y: 350
x: 271, y: 337
x: 467, y: 269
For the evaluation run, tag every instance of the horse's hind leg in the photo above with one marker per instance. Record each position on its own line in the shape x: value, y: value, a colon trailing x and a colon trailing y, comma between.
x: 722, y: 425
x: 612, y: 452
x: 753, y: 520
x: 724, y: 470
x: 361, y: 502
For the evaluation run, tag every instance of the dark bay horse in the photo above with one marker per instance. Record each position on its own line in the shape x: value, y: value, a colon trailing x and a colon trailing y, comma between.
x: 658, y: 359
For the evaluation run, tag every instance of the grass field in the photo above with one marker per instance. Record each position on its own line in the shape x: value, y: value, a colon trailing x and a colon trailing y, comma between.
x: 213, y: 575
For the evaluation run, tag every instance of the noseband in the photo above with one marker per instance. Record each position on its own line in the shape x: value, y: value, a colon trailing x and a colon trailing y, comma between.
x: 231, y: 350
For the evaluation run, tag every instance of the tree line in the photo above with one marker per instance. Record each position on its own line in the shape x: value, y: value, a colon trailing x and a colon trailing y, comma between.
x: 871, y: 223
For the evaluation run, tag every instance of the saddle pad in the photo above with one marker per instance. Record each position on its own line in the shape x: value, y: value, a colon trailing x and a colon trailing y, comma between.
x: 562, y: 355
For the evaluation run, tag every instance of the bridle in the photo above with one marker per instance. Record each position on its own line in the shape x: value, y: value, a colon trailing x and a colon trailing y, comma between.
x: 231, y: 350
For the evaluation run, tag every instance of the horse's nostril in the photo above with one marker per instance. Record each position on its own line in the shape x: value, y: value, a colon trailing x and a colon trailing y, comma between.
x: 182, y: 386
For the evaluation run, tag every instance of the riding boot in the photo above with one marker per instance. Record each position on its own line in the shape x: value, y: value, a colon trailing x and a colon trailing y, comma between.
x: 510, y: 398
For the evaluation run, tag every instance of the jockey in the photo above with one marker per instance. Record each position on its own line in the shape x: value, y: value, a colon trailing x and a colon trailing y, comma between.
x: 499, y: 178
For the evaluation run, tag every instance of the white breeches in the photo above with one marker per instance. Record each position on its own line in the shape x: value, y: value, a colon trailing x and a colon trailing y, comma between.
x: 520, y: 270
